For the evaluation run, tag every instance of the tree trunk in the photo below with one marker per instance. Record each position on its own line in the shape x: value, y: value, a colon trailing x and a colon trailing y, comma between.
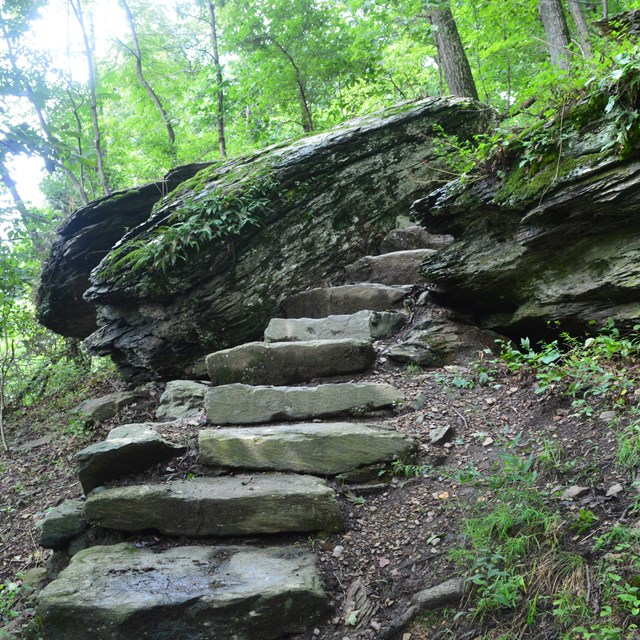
x: 605, y: 10
x: 222, y: 143
x: 584, y: 40
x: 52, y: 159
x: 556, y: 31
x: 451, y: 54
x: 137, y: 54
x: 305, y: 108
x: 76, y: 5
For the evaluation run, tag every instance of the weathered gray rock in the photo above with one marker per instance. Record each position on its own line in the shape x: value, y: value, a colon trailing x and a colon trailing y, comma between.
x: 543, y: 242
x: 128, y: 450
x: 441, y: 343
x: 399, y: 267
x: 104, y: 408
x: 62, y: 524
x: 225, y: 506
x: 440, y: 433
x: 281, y: 363
x: 183, y: 593
x: 243, y: 404
x: 413, y: 237
x: 83, y: 240
x: 343, y: 300
x: 181, y: 399
x: 323, y: 449
x: 363, y: 325
x: 325, y: 200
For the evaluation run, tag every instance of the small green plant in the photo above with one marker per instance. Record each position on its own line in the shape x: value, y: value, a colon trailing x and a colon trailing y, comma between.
x: 400, y: 468
x: 9, y: 594
x: 628, y: 449
x: 584, y: 520
x: 411, y: 369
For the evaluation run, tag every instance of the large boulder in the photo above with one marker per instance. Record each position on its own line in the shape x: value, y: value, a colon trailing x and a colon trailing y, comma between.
x: 555, y: 237
x: 83, y: 240
x: 208, y: 268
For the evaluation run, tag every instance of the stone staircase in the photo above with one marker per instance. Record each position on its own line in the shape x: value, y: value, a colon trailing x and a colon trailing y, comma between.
x: 269, y: 459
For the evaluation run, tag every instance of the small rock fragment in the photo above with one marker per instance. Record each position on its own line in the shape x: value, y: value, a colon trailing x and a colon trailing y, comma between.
x: 573, y: 492
x: 440, y: 434
x: 614, y: 490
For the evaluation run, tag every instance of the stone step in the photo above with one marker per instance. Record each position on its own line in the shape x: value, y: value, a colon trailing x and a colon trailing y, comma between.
x: 289, y: 362
x: 225, y: 506
x: 346, y: 299
x: 323, y: 449
x: 181, y: 399
x: 363, y: 325
x: 396, y: 268
x: 244, y: 404
x: 413, y: 237
x: 128, y: 449
x: 123, y: 592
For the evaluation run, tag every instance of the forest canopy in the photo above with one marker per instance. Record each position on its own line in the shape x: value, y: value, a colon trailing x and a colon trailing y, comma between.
x: 108, y: 95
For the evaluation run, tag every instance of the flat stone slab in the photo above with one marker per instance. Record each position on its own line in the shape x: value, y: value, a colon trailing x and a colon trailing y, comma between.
x: 324, y: 449
x: 413, y: 237
x: 62, y: 524
x: 244, y: 404
x: 346, y: 299
x: 224, y: 506
x: 123, y: 592
x: 398, y: 267
x: 128, y: 449
x: 105, y: 407
x: 287, y: 363
x: 363, y: 325
x: 181, y: 399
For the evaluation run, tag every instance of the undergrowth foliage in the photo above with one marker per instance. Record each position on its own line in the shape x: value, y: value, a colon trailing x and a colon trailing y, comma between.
x: 603, y: 366
x: 198, y: 218
x: 537, y: 566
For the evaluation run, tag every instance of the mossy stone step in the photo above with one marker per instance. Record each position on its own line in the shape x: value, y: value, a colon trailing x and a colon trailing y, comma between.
x: 398, y: 267
x: 363, y: 325
x: 225, y: 506
x: 246, y: 404
x: 122, y: 592
x: 343, y: 300
x: 323, y: 449
x: 281, y: 363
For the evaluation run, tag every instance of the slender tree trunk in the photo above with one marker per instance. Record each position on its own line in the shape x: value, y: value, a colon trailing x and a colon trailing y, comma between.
x: 30, y: 220
x: 305, y: 108
x: 556, y: 31
x: 76, y: 5
x: 54, y: 144
x: 76, y: 115
x: 451, y: 54
x: 584, y: 40
x: 137, y: 54
x: 222, y: 142
x: 605, y: 10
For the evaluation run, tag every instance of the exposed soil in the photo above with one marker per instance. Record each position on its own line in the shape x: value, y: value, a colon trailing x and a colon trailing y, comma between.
x: 400, y: 527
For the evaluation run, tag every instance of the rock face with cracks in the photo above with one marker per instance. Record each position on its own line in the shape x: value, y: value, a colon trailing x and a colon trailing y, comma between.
x: 536, y: 245
x: 309, y: 207
x: 83, y: 240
